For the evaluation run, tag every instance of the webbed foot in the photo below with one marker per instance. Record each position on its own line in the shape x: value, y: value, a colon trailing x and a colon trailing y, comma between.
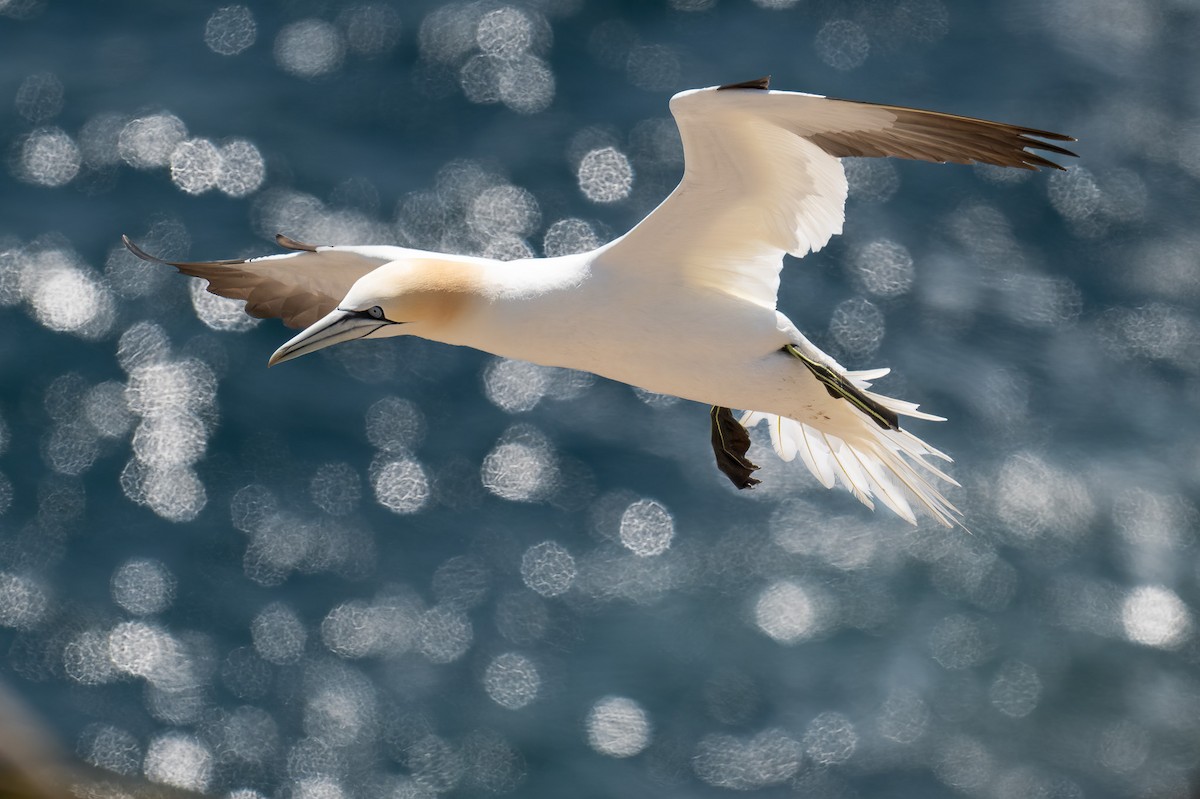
x: 730, y: 442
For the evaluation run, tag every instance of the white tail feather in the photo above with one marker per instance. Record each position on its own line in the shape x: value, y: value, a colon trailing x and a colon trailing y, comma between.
x: 785, y: 446
x: 872, y: 463
x: 863, y: 378
x: 815, y: 449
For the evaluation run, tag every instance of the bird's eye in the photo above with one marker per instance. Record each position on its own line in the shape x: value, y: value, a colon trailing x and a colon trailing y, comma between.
x: 376, y: 312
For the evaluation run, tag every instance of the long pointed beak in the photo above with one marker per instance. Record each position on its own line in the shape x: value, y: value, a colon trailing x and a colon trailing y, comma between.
x: 334, y: 328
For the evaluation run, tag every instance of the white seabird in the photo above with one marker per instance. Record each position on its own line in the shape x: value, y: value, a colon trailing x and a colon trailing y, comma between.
x: 682, y: 304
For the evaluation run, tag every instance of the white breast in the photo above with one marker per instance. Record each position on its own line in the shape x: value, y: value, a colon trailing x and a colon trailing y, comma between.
x: 665, y: 337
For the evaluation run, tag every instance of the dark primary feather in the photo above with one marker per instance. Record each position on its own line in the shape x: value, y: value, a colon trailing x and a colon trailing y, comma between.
x: 289, y: 243
x: 944, y: 138
x: 762, y: 83
x: 299, y: 289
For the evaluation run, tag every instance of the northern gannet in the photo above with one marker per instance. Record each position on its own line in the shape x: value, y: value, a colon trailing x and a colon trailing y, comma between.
x: 682, y: 304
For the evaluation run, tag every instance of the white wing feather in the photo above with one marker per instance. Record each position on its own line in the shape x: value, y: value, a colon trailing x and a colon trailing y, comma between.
x: 872, y: 463
x: 751, y: 191
x: 867, y: 460
x: 762, y: 177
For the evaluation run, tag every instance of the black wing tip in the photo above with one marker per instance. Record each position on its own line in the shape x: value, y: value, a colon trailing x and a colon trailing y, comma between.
x: 1047, y: 134
x: 140, y: 253
x: 288, y: 243
x: 1052, y: 148
x: 762, y: 84
x: 1035, y: 160
x: 284, y: 241
x: 182, y: 266
x: 1031, y: 141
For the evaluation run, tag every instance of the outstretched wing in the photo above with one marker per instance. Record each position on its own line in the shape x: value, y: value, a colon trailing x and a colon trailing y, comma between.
x: 762, y: 178
x: 298, y: 287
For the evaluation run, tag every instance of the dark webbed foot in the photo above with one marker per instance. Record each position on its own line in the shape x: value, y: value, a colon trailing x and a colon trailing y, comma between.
x: 730, y: 442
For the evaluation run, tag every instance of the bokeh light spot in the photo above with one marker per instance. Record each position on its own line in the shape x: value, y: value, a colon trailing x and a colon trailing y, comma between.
x: 147, y: 142
x: 883, y: 268
x: 904, y: 717
x: 516, y: 386
x: 522, y: 467
x: 786, y: 612
x: 309, y: 48
x: 1016, y: 689
x: 647, y: 528
x: 858, y: 327
x: 618, y: 727
x: 179, y: 760
x: 242, y: 168
x: 830, y: 739
x: 512, y: 680
x: 230, y: 30
x: 569, y: 236
x: 769, y: 758
x: 49, y: 157
x: 195, y: 166
x: 111, y: 748
x: 401, y: 485
x: 548, y: 568
x: 23, y: 602
x: 842, y: 44
x: 506, y: 32
x: 395, y: 425
x: 444, y: 635
x: 504, y: 209
x: 874, y: 180
x: 1155, y: 616
x: 526, y: 84
x: 279, y: 635
x: 70, y: 298
x: 143, y: 586
x: 605, y: 175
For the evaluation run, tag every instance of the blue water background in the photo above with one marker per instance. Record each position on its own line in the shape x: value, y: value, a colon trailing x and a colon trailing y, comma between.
x: 784, y: 640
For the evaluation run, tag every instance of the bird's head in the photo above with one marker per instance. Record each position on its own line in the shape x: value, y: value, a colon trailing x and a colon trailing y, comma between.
x: 410, y: 297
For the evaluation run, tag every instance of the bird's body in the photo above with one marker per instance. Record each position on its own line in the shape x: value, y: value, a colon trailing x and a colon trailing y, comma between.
x: 683, y: 304
x: 577, y: 314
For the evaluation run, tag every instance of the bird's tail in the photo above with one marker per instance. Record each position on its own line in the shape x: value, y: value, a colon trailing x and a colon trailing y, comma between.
x: 890, y: 465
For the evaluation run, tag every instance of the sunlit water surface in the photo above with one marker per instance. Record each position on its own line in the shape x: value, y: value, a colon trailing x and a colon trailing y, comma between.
x: 404, y: 570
